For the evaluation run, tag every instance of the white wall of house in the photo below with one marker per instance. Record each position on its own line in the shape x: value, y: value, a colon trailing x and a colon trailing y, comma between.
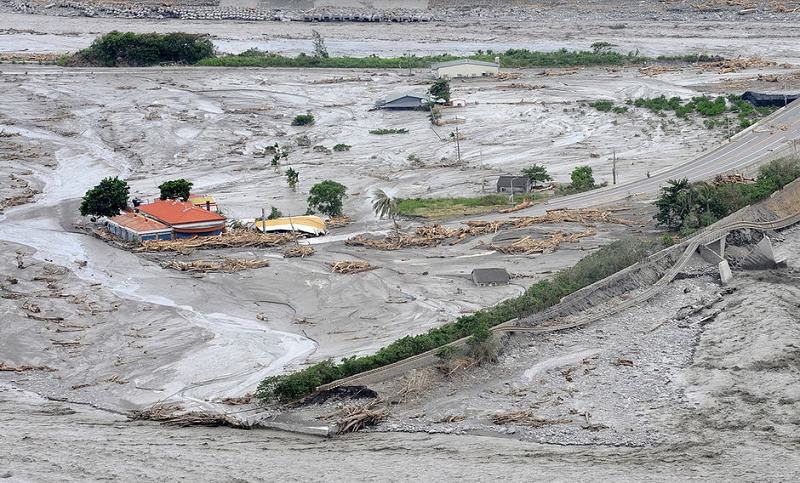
x: 466, y: 70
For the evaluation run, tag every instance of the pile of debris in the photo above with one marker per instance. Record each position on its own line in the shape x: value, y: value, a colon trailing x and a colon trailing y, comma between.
x: 434, y: 235
x: 299, y: 251
x: 519, y: 85
x: 525, y: 418
x: 173, y: 415
x: 19, y: 369
x: 654, y: 70
x: 735, y: 65
x: 352, y: 418
x: 736, y: 178
x: 338, y: 221
x: 557, y: 72
x: 236, y: 238
x: 227, y: 265
x: 504, y: 76
x: 528, y: 245
x: 350, y: 266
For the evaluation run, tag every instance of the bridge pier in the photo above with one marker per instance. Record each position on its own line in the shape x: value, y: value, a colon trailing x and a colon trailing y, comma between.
x: 713, y: 257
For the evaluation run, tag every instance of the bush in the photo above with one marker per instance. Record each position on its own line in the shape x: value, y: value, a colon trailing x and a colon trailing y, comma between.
x: 602, y: 106
x: 274, y: 213
x: 303, y: 120
x: 389, y: 131
x: 131, y: 49
x: 175, y: 189
x: 596, y: 266
x: 327, y: 197
x: 342, y: 147
x: 582, y: 178
x: 106, y: 199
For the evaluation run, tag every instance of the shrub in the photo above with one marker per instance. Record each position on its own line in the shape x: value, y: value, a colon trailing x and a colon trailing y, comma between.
x: 106, y: 199
x: 292, y: 177
x: 327, y: 197
x: 342, y: 147
x: 388, y: 131
x: 274, y: 213
x: 602, y: 105
x: 132, y: 49
x: 303, y: 120
x: 175, y: 189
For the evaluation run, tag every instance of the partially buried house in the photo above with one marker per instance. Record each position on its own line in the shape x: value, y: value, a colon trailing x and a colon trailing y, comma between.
x: 185, y: 219
x: 404, y: 102
x: 513, y: 184
x: 490, y: 276
x: 133, y: 227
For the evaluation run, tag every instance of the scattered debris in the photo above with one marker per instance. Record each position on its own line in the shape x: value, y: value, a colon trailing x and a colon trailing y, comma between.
x: 237, y: 238
x: 238, y: 401
x: 525, y: 418
x: 504, y: 76
x: 529, y: 245
x: 736, y: 178
x: 299, y: 251
x: 351, y: 266
x: 341, y: 392
x: 170, y: 415
x: 727, y: 66
x: 623, y: 362
x: 6, y: 368
x: 227, y: 265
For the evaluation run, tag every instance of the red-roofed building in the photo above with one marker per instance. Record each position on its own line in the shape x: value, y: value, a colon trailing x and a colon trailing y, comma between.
x: 137, y: 228
x: 185, y: 219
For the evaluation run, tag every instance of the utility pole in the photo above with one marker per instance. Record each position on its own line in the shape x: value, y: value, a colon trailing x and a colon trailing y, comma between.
x: 263, y: 220
x: 458, y: 148
x: 614, y: 167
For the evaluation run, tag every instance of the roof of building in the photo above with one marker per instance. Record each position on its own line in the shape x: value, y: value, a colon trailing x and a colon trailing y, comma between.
x: 490, y: 275
x: 505, y: 180
x: 310, y: 224
x: 138, y: 223
x: 451, y: 63
x: 196, y: 199
x: 174, y: 212
x: 407, y: 100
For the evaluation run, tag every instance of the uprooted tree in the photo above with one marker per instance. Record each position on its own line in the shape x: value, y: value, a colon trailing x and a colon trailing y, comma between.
x: 327, y: 197
x: 292, y: 177
x: 385, y: 206
x: 106, y: 199
x: 176, y: 189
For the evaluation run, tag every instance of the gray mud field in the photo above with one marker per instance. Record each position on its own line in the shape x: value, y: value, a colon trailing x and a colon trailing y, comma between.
x: 699, y: 384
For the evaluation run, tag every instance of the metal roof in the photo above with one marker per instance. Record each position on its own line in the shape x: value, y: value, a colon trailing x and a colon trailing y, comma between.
x: 138, y: 223
x: 174, y: 212
x: 506, y: 180
x: 451, y: 63
x: 407, y: 100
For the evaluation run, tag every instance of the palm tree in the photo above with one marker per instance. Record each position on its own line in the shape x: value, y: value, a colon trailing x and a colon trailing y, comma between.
x: 385, y: 207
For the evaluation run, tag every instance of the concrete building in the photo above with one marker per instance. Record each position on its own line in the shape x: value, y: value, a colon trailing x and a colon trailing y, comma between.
x: 406, y: 102
x: 513, y: 184
x: 185, y: 219
x: 465, y: 68
x: 490, y: 276
x: 136, y: 228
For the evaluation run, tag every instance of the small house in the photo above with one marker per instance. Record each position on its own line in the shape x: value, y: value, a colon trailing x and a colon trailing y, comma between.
x: 133, y: 227
x: 513, y: 184
x: 465, y: 68
x: 490, y: 277
x: 404, y: 102
x: 185, y: 219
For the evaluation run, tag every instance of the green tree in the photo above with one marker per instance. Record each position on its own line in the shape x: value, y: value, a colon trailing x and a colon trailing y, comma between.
x: 106, y: 199
x: 327, y: 197
x: 175, y: 189
x: 274, y: 213
x: 582, y: 178
x: 320, y: 50
x: 537, y: 174
x: 385, y: 207
x: 440, y: 90
x: 675, y: 203
x: 280, y: 153
x: 292, y: 177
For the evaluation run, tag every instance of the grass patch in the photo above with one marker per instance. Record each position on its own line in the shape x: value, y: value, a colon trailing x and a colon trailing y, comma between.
x: 546, y: 293
x: 512, y: 58
x: 439, y: 208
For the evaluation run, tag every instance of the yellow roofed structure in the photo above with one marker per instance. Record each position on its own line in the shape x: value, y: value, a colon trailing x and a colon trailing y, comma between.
x: 313, y: 225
